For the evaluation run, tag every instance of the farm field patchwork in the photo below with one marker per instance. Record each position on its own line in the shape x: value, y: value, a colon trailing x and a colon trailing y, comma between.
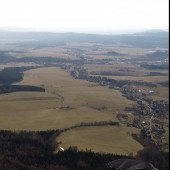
x: 66, y: 102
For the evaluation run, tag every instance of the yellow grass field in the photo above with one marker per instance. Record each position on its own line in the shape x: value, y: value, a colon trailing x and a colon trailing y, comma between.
x: 2, y: 66
x: 141, y: 78
x: 66, y: 102
x: 136, y: 69
x: 133, y: 52
x: 105, y: 139
x: 55, y: 52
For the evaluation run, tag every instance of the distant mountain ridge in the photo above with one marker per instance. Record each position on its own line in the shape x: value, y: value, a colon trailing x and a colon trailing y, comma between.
x: 155, y: 32
x: 144, y: 39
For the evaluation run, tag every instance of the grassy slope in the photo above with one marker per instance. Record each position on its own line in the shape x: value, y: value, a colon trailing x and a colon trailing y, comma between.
x: 41, y: 111
x: 104, y: 139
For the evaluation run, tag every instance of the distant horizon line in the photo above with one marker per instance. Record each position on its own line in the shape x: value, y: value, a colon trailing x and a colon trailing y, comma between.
x: 116, y: 31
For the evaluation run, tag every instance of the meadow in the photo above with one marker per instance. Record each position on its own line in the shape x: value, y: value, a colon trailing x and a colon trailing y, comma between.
x: 66, y: 102
x: 105, y: 139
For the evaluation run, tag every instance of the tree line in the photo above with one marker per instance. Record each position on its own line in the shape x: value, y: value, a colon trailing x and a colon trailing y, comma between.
x: 12, y: 75
x: 15, y: 88
x: 33, y: 150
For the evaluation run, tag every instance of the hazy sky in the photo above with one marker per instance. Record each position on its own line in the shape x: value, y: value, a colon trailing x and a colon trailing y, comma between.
x: 85, y: 15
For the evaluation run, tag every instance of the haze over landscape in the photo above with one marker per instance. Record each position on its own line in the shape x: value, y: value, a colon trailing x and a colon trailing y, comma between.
x: 84, y: 84
x: 92, y: 16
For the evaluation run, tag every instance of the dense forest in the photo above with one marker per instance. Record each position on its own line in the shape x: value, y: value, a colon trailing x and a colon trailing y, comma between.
x: 156, y: 66
x: 34, y: 151
x: 5, y: 57
x: 14, y: 88
x: 12, y: 75
x: 156, y: 55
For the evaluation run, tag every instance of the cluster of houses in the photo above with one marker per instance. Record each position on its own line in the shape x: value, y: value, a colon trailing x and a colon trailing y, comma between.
x: 79, y: 72
x: 139, y: 95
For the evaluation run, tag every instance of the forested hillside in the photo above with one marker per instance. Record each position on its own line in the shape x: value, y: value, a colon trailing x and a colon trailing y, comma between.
x: 34, y: 151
